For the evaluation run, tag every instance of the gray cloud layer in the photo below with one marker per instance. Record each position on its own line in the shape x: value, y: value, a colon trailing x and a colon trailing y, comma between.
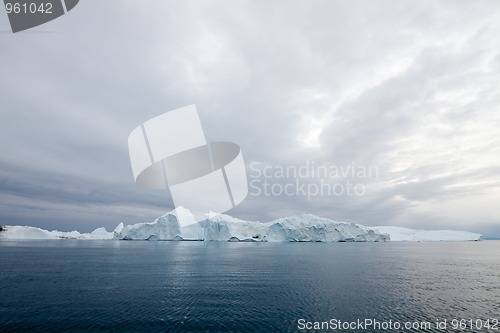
x: 409, y: 87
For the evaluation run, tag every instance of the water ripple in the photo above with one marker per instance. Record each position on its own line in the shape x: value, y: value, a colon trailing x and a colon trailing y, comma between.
x: 78, y: 286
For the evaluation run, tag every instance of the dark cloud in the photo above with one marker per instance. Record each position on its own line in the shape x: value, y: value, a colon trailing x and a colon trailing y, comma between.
x: 411, y: 88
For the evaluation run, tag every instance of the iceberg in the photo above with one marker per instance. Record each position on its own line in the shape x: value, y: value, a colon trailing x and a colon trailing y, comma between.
x: 165, y: 227
x: 310, y: 228
x: 300, y: 228
x: 401, y: 234
x: 225, y: 228
x: 26, y: 232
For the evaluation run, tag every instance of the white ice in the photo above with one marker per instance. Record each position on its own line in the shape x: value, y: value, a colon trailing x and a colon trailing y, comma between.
x: 416, y: 235
x: 298, y: 228
x: 26, y: 232
x: 301, y: 228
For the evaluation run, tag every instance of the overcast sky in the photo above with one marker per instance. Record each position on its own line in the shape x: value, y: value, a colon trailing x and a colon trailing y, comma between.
x: 410, y: 87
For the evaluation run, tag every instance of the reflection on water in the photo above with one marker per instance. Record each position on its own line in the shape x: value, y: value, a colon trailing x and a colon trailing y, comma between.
x: 196, y: 286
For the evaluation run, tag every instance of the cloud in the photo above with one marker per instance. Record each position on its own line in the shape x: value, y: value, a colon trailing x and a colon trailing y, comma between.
x: 410, y: 88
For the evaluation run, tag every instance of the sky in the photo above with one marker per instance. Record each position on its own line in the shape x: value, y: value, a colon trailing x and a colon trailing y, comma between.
x: 407, y: 88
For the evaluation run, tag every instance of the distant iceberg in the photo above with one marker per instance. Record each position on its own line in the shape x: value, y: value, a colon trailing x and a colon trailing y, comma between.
x: 224, y: 228
x: 399, y: 234
x: 25, y: 232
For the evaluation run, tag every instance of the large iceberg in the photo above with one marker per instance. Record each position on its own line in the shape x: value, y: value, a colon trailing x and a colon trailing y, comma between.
x: 298, y: 228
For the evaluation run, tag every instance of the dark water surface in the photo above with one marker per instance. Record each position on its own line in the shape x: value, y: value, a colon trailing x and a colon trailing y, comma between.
x: 139, y: 286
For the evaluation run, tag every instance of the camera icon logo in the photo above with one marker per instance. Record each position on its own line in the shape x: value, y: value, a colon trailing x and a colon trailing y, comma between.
x: 170, y: 152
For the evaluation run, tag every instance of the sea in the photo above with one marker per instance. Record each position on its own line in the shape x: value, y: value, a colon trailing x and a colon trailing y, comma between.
x: 172, y: 286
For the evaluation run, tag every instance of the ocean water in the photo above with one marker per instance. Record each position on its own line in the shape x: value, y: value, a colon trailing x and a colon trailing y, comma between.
x: 139, y: 286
